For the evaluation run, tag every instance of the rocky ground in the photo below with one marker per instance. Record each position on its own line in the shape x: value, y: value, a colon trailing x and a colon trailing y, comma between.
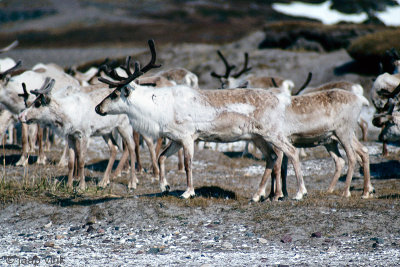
x: 44, y: 224
x: 115, y: 227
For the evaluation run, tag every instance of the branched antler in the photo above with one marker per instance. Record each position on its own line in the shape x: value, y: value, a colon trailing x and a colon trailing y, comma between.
x: 9, y: 47
x: 10, y: 70
x: 245, y: 67
x: 228, y: 68
x: 121, y: 81
x: 25, y: 95
x: 46, y: 87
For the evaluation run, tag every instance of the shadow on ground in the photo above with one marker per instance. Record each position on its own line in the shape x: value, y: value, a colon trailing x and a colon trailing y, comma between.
x: 205, y: 191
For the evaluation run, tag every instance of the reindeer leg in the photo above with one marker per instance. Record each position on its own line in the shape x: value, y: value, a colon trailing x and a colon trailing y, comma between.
x: 270, y: 158
x: 81, y: 145
x: 136, y: 138
x: 113, y: 153
x: 362, y: 151
x: 23, y: 161
x: 42, y: 157
x: 293, y: 155
x: 171, y: 149
x: 153, y: 158
x: 122, y: 161
x: 188, y: 150
x: 333, y: 150
x: 64, y: 158
x: 180, y: 162
x: 158, y: 146
x: 364, y: 129
x: 130, y: 144
x: 71, y: 160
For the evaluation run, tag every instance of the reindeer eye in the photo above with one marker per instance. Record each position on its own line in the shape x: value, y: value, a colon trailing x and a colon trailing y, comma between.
x: 37, y: 104
x: 126, y: 92
x: 113, y: 95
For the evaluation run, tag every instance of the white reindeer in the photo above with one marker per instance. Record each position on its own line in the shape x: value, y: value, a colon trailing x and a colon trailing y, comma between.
x: 11, y: 89
x: 327, y: 118
x: 386, y: 86
x: 72, y: 115
x: 184, y: 114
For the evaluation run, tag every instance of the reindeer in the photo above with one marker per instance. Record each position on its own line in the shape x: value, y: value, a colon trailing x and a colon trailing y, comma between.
x: 326, y: 118
x: 184, y: 114
x: 230, y: 81
x: 390, y: 127
x: 73, y: 115
x: 11, y: 88
x: 264, y: 116
x: 343, y: 85
x: 385, y: 86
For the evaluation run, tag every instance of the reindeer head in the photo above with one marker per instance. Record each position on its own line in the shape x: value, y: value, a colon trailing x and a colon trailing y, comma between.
x: 231, y: 81
x: 123, y: 85
x: 37, y: 108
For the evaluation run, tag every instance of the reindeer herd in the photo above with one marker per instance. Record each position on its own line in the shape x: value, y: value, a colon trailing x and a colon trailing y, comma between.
x: 121, y: 103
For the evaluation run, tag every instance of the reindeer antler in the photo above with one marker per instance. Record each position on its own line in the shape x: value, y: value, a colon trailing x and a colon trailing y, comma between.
x: 9, y: 47
x: 25, y: 95
x: 309, y: 77
x: 385, y: 93
x: 121, y: 81
x: 46, y: 87
x: 245, y: 67
x: 10, y: 70
x: 228, y: 67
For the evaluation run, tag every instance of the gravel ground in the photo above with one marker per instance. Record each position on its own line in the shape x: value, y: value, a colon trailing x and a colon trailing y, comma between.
x: 219, y: 227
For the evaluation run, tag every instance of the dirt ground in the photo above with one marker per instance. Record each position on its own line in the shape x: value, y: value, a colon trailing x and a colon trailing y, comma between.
x: 44, y: 224
x: 42, y: 221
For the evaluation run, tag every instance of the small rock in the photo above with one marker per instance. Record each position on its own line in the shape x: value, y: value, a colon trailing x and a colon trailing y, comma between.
x: 316, y: 234
x: 286, y: 239
x: 153, y: 251
x: 49, y: 244
x: 91, y: 220
x: 74, y: 228
x: 378, y: 240
x: 101, y: 231
x: 332, y: 249
x: 227, y: 245
x: 116, y: 228
x: 249, y: 234
x: 216, y: 238
x: 26, y: 249
x: 48, y: 225
x: 58, y: 237
x: 90, y: 229
x: 106, y: 241
x: 375, y: 245
x: 262, y: 240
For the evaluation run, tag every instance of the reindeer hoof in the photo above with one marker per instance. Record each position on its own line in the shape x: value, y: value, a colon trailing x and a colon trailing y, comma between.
x: 187, y: 194
x: 103, y: 184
